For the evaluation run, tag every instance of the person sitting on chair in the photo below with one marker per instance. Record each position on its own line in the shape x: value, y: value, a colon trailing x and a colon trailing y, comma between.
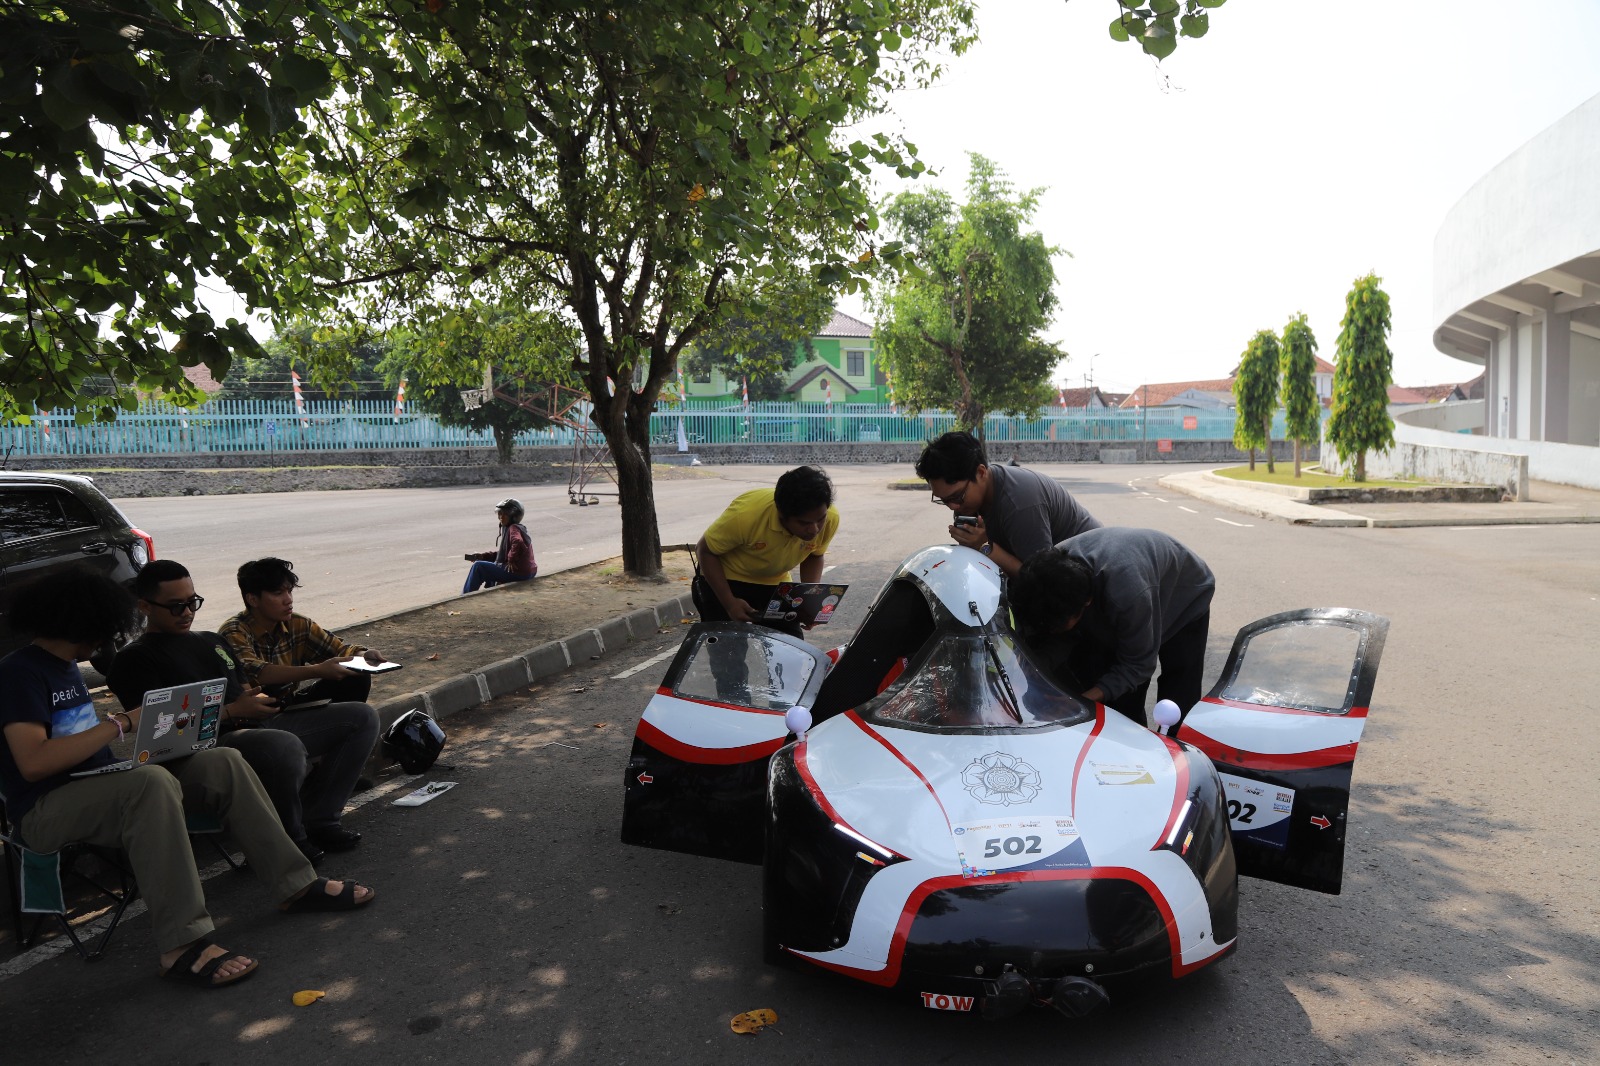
x: 280, y: 650
x: 512, y: 558
x: 51, y: 730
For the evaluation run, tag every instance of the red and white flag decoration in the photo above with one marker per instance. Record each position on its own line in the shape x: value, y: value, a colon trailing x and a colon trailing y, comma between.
x: 683, y: 395
x: 299, y: 400
x: 827, y: 391
x: 44, y: 421
x: 1061, y: 397
x: 399, y: 399
x: 744, y: 391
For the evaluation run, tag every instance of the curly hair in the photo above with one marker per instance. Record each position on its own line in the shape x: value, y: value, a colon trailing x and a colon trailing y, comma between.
x: 1051, y: 588
x: 77, y: 604
x: 801, y: 491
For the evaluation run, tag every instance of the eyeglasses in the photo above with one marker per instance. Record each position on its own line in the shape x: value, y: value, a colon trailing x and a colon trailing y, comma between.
x: 177, y: 607
x: 955, y: 499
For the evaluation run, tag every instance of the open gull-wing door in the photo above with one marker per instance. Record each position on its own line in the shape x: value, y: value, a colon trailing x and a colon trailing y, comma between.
x: 1282, y: 725
x: 697, y: 778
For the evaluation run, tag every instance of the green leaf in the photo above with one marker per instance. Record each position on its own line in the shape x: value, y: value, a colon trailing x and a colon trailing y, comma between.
x: 1195, y: 25
x: 1119, y: 30
x: 752, y: 42
x: 304, y: 74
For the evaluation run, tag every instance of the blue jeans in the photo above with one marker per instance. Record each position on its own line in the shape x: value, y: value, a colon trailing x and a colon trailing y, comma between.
x: 485, y: 574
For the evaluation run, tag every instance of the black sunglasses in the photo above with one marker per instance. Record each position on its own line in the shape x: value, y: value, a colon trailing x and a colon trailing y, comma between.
x: 177, y: 607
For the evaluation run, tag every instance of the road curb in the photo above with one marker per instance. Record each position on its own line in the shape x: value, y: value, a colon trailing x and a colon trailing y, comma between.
x: 1207, y: 486
x: 520, y: 670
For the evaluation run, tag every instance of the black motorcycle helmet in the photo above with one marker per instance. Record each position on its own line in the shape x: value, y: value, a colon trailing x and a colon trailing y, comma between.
x: 511, y: 507
x: 415, y: 740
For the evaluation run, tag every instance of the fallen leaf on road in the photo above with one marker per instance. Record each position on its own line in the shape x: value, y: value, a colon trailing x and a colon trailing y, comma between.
x: 575, y: 691
x: 452, y: 614
x: 753, y: 1021
x: 306, y: 998
x: 601, y: 725
x: 433, y: 658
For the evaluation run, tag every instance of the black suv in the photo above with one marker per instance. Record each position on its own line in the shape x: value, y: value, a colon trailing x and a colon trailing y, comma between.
x: 49, y: 521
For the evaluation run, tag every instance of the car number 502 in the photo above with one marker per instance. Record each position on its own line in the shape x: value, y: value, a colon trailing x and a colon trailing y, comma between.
x: 1011, y: 846
x: 1243, y: 813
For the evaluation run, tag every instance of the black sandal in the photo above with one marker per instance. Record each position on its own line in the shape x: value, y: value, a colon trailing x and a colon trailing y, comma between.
x: 315, y: 898
x: 183, y: 968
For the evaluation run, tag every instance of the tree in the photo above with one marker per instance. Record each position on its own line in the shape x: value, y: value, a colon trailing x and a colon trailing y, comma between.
x: 334, y: 363
x: 1302, y: 410
x: 1156, y: 25
x: 761, y: 336
x: 960, y: 328
x: 1255, y: 396
x: 480, y: 338
x: 622, y: 166
x: 1362, y: 374
x: 150, y: 144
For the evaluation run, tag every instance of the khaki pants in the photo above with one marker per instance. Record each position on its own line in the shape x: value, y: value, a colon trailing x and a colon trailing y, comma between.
x: 141, y: 811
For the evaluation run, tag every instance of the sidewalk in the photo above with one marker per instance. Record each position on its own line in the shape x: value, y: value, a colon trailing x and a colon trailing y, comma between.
x: 1550, y: 504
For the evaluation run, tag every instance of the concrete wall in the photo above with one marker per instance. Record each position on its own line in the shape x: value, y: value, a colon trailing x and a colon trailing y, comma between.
x: 1457, y: 417
x: 1535, y: 209
x: 1583, y: 392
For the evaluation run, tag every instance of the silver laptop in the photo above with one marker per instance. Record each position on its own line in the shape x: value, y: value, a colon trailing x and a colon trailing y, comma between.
x: 176, y: 722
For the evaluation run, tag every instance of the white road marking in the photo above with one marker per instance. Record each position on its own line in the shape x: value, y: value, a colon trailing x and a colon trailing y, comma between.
x: 1191, y: 510
x: 1245, y: 525
x: 630, y: 671
x: 1158, y: 499
x: 825, y: 569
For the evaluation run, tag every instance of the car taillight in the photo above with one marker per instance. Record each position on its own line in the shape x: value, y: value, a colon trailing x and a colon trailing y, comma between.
x: 149, y: 546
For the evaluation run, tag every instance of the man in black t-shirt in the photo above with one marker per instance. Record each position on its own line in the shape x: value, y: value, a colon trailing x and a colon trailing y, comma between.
x: 169, y: 653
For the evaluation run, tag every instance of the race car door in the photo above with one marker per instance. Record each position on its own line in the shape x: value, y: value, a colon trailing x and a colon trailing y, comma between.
x: 1282, y: 725
x: 697, y: 779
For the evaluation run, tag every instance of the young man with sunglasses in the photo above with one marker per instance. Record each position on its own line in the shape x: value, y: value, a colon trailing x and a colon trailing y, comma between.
x: 1017, y: 511
x: 172, y: 652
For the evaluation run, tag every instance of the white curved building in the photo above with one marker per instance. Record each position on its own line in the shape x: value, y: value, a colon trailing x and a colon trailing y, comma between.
x: 1517, y: 291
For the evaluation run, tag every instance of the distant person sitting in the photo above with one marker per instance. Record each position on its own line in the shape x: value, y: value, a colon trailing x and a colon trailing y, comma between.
x: 51, y: 731
x: 281, y: 651
x: 758, y: 540
x: 512, y: 558
x: 171, y: 653
x: 1019, y: 511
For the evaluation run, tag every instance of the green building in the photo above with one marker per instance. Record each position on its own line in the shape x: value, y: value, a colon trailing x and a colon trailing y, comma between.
x: 844, y: 363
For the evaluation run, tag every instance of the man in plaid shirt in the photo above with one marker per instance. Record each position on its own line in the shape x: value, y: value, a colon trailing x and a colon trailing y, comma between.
x: 292, y: 657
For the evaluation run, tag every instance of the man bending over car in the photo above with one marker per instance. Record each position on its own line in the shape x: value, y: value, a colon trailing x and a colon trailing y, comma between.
x: 1117, y: 602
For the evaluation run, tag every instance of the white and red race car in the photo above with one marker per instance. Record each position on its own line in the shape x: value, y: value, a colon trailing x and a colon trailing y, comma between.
x: 952, y: 825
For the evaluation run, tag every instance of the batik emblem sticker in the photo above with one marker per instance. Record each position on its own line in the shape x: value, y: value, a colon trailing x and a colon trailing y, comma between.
x: 1001, y: 779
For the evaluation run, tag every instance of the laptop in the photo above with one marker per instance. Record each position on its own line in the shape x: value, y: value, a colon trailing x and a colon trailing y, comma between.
x: 176, y: 722
x: 810, y: 603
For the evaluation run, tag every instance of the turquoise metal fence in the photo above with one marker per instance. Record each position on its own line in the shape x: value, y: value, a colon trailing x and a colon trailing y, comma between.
x: 278, y: 426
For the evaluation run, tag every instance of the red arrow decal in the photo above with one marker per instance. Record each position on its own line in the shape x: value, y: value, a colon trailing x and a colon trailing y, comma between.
x: 1320, y: 822
x: 645, y: 779
x: 185, y: 706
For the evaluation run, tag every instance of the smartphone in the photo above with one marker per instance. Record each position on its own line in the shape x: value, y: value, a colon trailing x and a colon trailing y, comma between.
x: 966, y: 520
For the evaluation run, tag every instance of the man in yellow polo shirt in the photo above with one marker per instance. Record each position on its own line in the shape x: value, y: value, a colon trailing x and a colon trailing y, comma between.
x: 758, y: 540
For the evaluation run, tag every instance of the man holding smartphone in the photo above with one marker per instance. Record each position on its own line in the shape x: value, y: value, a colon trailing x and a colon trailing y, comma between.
x: 1008, y: 513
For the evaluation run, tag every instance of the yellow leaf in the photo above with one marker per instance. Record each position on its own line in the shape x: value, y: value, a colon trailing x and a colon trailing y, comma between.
x: 866, y: 256
x: 306, y: 998
x: 697, y: 193
x: 753, y: 1021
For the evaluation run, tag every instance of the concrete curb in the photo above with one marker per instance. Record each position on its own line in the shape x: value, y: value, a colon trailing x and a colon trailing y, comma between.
x: 1225, y: 493
x: 518, y: 671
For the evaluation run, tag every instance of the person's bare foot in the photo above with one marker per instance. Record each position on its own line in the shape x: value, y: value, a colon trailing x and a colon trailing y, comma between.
x: 326, y: 895
x: 333, y: 888
x: 231, y: 970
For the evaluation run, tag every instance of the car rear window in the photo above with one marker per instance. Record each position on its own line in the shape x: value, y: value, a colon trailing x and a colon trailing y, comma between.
x: 39, y: 512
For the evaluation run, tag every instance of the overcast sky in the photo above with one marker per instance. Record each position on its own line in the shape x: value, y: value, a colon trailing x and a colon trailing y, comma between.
x: 1259, y: 170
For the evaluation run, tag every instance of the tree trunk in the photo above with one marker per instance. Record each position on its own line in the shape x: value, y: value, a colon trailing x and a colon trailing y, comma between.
x: 1361, y: 465
x: 1297, y: 457
x: 1252, y: 459
x: 625, y: 421
x: 505, y: 444
x: 1266, y: 432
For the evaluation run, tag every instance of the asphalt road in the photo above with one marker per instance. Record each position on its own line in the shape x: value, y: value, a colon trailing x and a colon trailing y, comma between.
x: 512, y: 927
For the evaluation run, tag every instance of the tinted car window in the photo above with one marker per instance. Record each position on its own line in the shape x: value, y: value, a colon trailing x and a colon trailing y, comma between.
x: 964, y: 685
x: 31, y: 512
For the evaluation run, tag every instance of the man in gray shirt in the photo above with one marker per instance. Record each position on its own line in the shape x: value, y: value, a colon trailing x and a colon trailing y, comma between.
x: 1119, y: 601
x: 1019, y: 512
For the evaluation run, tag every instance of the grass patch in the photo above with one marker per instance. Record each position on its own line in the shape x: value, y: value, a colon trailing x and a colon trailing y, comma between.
x: 1307, y: 479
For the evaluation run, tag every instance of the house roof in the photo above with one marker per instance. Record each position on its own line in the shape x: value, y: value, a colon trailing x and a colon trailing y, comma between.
x: 1323, y: 366
x: 1090, y: 397
x: 1401, y: 394
x: 1157, y: 394
x: 815, y: 372
x: 1113, y: 399
x: 201, y: 378
x: 842, y: 325
x: 1438, y: 393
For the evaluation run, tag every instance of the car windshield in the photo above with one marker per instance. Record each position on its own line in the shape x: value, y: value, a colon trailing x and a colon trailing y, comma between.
x: 971, y: 680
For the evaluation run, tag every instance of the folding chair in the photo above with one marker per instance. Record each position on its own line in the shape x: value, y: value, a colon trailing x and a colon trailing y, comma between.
x: 36, y: 883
